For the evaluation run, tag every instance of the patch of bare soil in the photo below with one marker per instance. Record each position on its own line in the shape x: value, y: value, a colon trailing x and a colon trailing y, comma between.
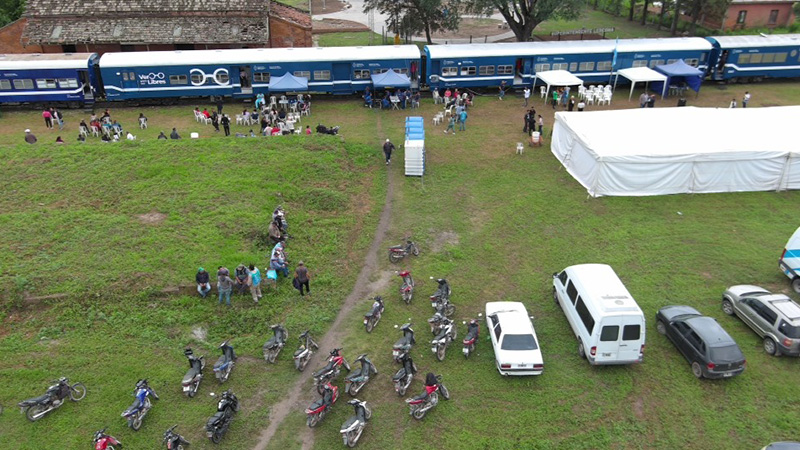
x: 152, y: 218
x: 442, y: 239
x: 475, y: 27
x: 336, y: 26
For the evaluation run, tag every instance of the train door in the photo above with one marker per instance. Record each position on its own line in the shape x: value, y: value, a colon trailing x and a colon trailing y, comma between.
x: 86, y: 85
x: 129, y: 83
x: 520, y: 67
x: 341, y: 79
x: 246, y: 79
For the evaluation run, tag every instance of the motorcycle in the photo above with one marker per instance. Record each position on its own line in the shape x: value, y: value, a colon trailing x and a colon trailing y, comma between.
x: 440, y: 300
x: 354, y: 426
x: 36, y: 408
x: 191, y: 381
x: 138, y: 410
x: 303, y: 354
x: 357, y: 380
x: 331, y: 370
x: 403, y: 346
x: 322, y: 129
x: 422, y: 403
x: 402, y: 379
x: 374, y: 315
x: 447, y: 334
x: 218, y: 424
x: 436, y: 322
x: 225, y: 363
x: 317, y: 411
x: 398, y: 252
x: 471, y: 338
x: 173, y: 440
x: 274, y: 345
x: 103, y: 441
x: 407, y: 288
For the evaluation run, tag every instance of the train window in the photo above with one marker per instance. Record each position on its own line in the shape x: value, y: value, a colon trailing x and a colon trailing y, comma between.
x: 468, y: 70
x: 768, y: 58
x: 692, y: 61
x: 361, y: 74
x: 198, y: 79
x: 541, y: 67
x: 586, y: 66
x: 261, y: 77
x: 403, y: 71
x: 755, y: 58
x: 780, y: 57
x: 744, y: 58
x: 5, y: 85
x: 640, y: 63
x: 23, y: 83
x: 322, y: 74
x: 303, y: 73
x: 486, y: 70
x: 670, y: 61
x: 505, y: 70
x: 573, y: 67
x: 124, y: 76
x: 449, y: 71
x: 656, y: 62
x: 222, y: 77
x: 67, y: 83
x: 380, y: 71
x: 178, y: 79
x: 603, y: 65
x: 45, y: 83
x: 560, y: 66
x: 131, y: 76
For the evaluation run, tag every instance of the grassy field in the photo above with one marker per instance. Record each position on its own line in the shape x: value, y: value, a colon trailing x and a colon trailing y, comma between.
x: 592, y: 19
x: 495, y: 224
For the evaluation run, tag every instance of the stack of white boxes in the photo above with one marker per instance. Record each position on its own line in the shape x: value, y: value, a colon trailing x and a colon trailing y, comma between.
x: 415, y: 146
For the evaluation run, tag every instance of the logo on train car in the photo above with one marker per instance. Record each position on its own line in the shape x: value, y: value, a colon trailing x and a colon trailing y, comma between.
x: 219, y: 76
x: 148, y: 79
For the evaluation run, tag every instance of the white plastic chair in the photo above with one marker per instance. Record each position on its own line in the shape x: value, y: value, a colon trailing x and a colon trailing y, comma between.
x: 198, y: 116
x: 542, y: 91
x: 449, y: 111
x: 95, y: 131
x: 273, y: 101
x: 143, y: 122
x: 239, y: 119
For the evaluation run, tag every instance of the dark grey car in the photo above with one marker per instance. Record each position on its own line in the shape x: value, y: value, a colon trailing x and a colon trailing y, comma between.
x: 702, y: 341
x: 774, y: 317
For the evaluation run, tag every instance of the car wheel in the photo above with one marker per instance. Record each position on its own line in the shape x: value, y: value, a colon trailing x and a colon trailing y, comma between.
x: 727, y: 307
x: 581, y: 350
x: 660, y: 327
x: 697, y: 369
x: 770, y: 347
x: 796, y: 285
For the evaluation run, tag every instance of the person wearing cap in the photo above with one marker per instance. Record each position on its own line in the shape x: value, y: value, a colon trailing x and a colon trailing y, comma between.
x: 301, y: 278
x: 387, y: 150
x: 203, y: 286
x: 29, y: 137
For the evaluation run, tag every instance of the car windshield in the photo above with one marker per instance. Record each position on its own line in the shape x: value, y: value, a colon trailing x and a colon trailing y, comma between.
x: 726, y: 353
x: 518, y: 342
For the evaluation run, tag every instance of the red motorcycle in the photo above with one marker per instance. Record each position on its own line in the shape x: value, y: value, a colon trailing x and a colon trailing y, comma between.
x: 398, y: 252
x: 316, y: 412
x: 331, y: 370
x: 102, y: 441
x: 407, y: 288
x: 420, y: 404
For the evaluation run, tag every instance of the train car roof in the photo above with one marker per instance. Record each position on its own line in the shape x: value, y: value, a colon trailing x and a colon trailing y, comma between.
x: 766, y: 40
x: 45, y: 61
x: 564, y: 47
x: 259, y: 55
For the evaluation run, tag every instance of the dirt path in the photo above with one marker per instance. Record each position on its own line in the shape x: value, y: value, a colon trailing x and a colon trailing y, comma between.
x: 296, y: 396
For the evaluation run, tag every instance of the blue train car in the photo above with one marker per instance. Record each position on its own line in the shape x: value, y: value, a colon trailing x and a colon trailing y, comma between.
x: 246, y: 72
x: 745, y: 58
x: 48, y: 78
x: 480, y: 65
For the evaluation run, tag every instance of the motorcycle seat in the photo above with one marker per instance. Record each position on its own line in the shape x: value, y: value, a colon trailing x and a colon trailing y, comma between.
x: 359, y: 373
x: 399, y: 375
x: 215, y: 419
x: 442, y: 334
x: 221, y: 362
x: 316, y: 404
x: 350, y: 421
x: 396, y: 247
x: 422, y: 396
x: 272, y: 342
x: 193, y: 372
x: 324, y: 371
x: 298, y: 352
x: 134, y: 407
x: 36, y: 400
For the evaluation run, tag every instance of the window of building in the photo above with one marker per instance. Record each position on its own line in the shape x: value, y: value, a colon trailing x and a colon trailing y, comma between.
x: 449, y: 71
x: 604, y: 65
x: 505, y: 70
x: 640, y: 63
x: 741, y: 17
x: 586, y: 317
x: 656, y: 62
x: 23, y: 83
x: 486, y: 70
x: 179, y: 79
x: 560, y: 66
x: 773, y: 17
x: 541, y: 67
x: 586, y: 66
x: 361, y: 74
x: 468, y: 70
x: 45, y: 83
x: 573, y: 67
x: 65, y: 83
x: 5, y: 85
x: 322, y: 74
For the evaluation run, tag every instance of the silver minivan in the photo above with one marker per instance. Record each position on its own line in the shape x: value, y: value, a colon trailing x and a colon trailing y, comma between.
x: 774, y: 317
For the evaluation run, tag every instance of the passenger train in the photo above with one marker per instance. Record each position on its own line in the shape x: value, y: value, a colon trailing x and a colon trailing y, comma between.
x: 77, y: 79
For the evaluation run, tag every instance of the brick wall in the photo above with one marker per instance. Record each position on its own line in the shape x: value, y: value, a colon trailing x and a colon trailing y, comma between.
x: 288, y: 34
x: 10, y: 39
x: 758, y: 15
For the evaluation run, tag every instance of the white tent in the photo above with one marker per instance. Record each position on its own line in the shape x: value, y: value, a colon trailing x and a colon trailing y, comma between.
x: 641, y: 74
x: 556, y: 78
x: 637, y: 152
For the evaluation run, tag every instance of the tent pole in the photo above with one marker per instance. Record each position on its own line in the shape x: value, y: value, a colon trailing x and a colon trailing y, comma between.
x: 633, y: 85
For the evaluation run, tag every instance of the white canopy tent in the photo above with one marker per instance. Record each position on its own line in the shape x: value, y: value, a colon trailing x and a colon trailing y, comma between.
x: 556, y: 78
x: 641, y: 74
x: 657, y: 151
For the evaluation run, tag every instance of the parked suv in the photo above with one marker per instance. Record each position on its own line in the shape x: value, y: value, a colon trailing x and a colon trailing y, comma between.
x: 774, y: 317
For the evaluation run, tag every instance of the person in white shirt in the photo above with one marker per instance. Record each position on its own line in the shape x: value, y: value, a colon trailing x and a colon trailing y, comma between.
x: 733, y: 103
x: 527, y: 95
x: 745, y: 99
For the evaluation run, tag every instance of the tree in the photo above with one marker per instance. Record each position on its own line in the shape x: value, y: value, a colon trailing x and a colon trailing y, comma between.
x: 523, y: 16
x: 644, y: 12
x: 10, y: 10
x: 416, y: 16
x: 630, y: 11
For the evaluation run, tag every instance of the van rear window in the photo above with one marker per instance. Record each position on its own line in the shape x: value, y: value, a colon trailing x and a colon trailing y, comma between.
x: 631, y: 332
x: 609, y: 333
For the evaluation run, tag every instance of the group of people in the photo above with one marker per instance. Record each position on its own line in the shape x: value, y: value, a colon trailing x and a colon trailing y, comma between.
x: 405, y: 98
x: 270, y: 119
x: 745, y: 100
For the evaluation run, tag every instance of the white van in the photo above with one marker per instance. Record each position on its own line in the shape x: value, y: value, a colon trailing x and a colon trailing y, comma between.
x: 790, y: 260
x: 606, y: 320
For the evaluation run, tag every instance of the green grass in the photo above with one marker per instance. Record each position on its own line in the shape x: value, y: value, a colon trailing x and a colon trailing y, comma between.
x: 359, y: 38
x: 592, y: 19
x: 495, y: 224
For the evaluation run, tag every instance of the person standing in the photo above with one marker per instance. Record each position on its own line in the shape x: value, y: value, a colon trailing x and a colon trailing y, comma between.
x: 48, y: 118
x: 254, y: 281
x: 29, y: 137
x: 581, y: 105
x: 462, y: 120
x: 643, y: 100
x: 58, y: 117
x: 526, y: 121
x: 224, y: 285
x: 651, y: 102
x: 226, y: 124
x: 554, y: 102
x: 219, y: 105
x: 451, y: 125
x: 526, y: 94
x: 571, y: 104
x: 500, y: 94
x: 302, y: 276
x: 541, y: 124
x: 174, y: 134
x: 387, y: 150
x: 203, y: 286
x: 733, y: 103
x: 745, y: 99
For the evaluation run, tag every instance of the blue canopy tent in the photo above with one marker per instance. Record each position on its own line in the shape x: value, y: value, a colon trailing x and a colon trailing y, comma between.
x: 288, y: 83
x: 679, y: 72
x: 390, y: 80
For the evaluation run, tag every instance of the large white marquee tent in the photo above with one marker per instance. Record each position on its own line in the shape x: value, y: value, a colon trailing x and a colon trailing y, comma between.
x: 656, y: 151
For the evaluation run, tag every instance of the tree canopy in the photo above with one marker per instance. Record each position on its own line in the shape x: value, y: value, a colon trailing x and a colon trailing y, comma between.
x: 523, y: 16
x: 10, y: 10
x: 417, y: 16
